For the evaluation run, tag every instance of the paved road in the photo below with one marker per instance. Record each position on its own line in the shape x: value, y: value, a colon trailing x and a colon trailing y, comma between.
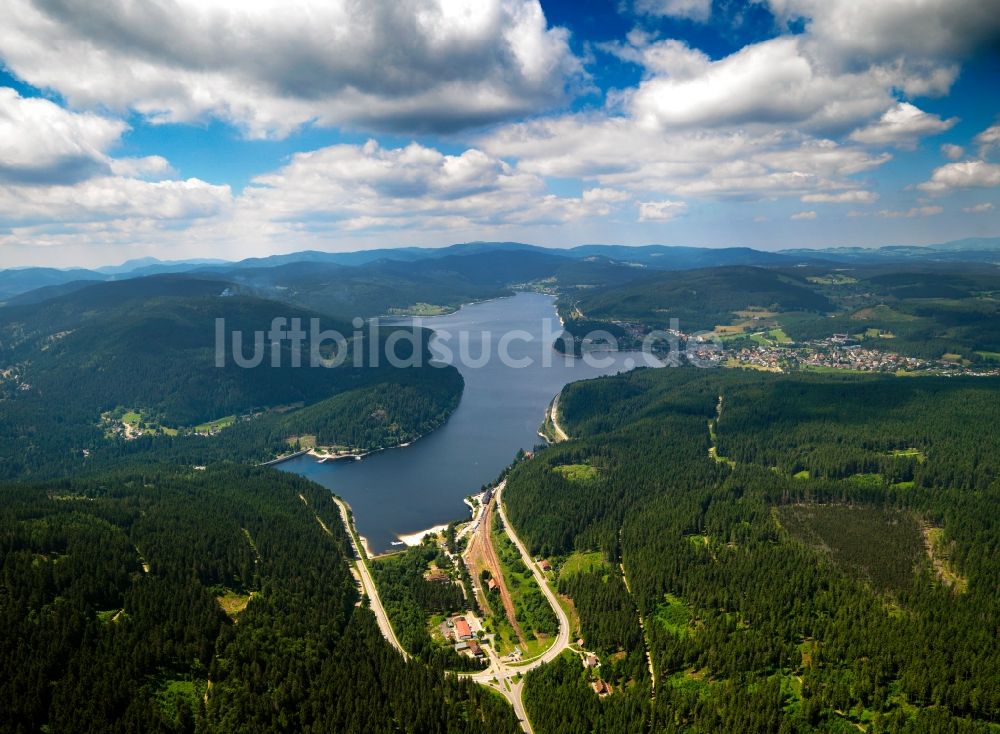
x: 368, y: 584
x: 561, y: 435
x: 562, y: 638
x: 504, y: 673
x: 499, y: 675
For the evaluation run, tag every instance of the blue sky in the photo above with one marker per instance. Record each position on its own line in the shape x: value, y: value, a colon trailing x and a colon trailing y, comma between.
x: 203, y: 128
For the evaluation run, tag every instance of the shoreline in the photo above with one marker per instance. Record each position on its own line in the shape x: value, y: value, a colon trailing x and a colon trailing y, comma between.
x: 414, y: 539
x: 284, y: 457
x: 404, y: 317
x: 406, y: 540
x: 352, y: 526
x: 350, y: 454
x: 358, y: 454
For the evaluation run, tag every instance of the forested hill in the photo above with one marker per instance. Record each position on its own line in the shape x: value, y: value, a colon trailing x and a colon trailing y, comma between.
x: 150, y: 580
x: 208, y: 601
x: 389, y: 285
x: 808, y: 553
x: 89, y: 371
x: 699, y: 299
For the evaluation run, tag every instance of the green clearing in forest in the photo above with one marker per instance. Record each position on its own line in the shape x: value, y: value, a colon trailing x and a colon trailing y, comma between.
x: 534, y: 615
x: 217, y: 425
x: 577, y: 472
x: 915, y: 453
x: 674, y: 615
x: 583, y: 562
x: 179, y: 698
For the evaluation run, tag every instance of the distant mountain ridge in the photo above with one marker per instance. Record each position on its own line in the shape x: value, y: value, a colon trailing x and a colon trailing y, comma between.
x: 17, y: 281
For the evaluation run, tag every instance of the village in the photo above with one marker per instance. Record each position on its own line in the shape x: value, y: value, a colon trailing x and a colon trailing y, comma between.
x: 765, y: 352
x: 842, y: 352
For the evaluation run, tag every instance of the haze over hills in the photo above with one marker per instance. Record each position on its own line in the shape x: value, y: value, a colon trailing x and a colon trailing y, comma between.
x: 14, y: 282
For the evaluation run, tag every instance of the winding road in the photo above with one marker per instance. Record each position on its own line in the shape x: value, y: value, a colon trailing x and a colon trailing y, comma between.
x: 560, y: 434
x: 367, y: 582
x: 505, y: 677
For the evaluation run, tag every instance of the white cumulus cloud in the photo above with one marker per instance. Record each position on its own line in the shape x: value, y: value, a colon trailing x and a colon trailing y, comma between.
x: 360, y: 186
x: 962, y: 175
x: 110, y: 197
x: 40, y: 142
x: 987, y: 140
x: 887, y: 30
x: 842, y: 197
x: 661, y: 211
x: 952, y: 152
x: 692, y: 9
x: 55, y: 168
x: 903, y: 125
x: 269, y: 66
x: 917, y: 211
x: 767, y: 83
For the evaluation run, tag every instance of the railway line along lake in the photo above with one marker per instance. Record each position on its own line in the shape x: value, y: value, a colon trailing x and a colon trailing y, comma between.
x: 401, y: 491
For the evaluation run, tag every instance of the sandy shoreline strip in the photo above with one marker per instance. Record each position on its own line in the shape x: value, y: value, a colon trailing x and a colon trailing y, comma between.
x: 412, y: 539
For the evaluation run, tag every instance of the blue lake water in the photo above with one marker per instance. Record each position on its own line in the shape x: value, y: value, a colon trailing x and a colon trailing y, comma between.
x: 409, y: 489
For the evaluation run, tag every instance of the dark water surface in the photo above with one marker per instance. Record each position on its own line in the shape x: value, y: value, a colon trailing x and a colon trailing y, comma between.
x: 409, y: 489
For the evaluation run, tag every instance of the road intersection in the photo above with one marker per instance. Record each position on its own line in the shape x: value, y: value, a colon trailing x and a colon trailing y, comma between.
x: 506, y: 677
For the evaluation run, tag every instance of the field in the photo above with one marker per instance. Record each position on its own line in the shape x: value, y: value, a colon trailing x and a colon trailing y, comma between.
x: 577, y: 472
x: 583, y: 562
x: 939, y: 550
x: 178, y: 697
x: 832, y: 279
x: 883, y: 313
x: 217, y: 425
x: 307, y: 441
x: 134, y: 423
x: 232, y: 603
x: 779, y: 336
x: 874, y: 333
x: 915, y: 453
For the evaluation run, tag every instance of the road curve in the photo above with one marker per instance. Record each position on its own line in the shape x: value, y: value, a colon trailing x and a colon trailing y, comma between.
x: 562, y: 638
x: 368, y: 584
x: 560, y: 434
x: 499, y: 675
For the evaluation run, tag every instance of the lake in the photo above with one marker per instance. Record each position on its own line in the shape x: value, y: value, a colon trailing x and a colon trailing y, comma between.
x: 409, y: 489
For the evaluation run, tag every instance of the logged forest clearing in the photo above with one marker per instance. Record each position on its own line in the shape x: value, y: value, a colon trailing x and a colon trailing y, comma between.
x: 880, y: 546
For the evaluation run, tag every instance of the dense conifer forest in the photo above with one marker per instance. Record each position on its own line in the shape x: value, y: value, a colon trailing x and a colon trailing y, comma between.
x: 123, y: 610
x: 807, y: 553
